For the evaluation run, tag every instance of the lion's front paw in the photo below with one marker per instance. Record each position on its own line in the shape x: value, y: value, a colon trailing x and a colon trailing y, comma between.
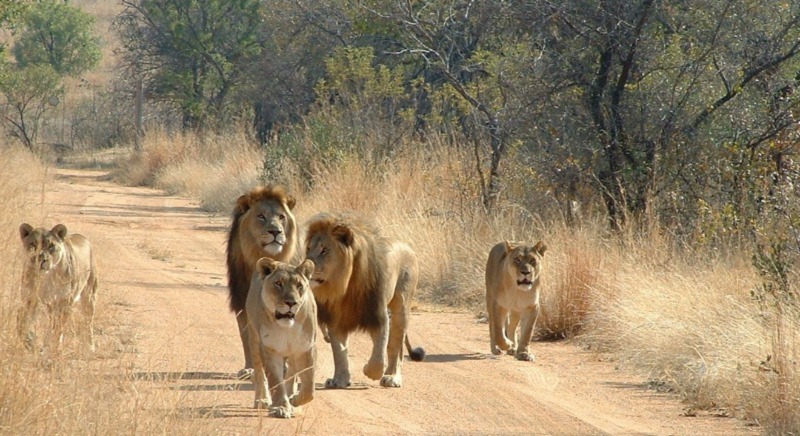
x: 525, y: 356
x: 511, y: 351
x: 496, y: 350
x: 374, y: 370
x: 282, y: 411
x: 333, y: 383
x: 392, y: 381
x: 260, y: 404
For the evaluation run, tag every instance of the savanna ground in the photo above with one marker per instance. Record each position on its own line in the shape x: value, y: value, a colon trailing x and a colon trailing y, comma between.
x: 660, y: 343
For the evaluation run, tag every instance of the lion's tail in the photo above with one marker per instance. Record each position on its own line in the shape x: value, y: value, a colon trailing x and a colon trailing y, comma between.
x: 416, y: 354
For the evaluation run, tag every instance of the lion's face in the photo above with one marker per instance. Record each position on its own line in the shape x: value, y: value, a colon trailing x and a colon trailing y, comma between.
x: 525, y: 263
x: 270, y: 223
x: 285, y: 289
x: 331, y: 250
x: 45, y: 249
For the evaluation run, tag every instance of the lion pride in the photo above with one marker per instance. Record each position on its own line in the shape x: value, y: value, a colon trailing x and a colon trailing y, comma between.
x: 262, y: 226
x: 360, y: 279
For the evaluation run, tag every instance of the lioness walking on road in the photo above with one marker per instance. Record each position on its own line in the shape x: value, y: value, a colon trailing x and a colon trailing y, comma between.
x: 513, y: 282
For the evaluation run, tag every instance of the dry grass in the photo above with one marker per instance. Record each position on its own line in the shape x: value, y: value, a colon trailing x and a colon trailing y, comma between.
x: 71, y: 391
x: 212, y: 169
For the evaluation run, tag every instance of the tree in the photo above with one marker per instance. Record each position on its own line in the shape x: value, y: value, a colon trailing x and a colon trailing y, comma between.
x: 57, y: 34
x: 193, y: 53
x: 666, y: 97
x: 463, y: 52
x: 28, y: 92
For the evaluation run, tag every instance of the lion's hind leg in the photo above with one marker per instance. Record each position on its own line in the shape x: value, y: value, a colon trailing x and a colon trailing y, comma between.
x: 392, y: 377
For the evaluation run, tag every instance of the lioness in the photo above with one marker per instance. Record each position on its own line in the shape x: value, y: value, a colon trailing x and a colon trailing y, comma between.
x: 513, y: 279
x: 283, y: 326
x: 360, y: 277
x: 59, y: 273
x: 262, y: 226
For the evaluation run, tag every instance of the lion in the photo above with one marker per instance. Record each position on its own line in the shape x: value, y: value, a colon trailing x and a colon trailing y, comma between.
x: 283, y: 325
x: 513, y: 280
x: 59, y: 273
x: 262, y: 226
x: 360, y: 278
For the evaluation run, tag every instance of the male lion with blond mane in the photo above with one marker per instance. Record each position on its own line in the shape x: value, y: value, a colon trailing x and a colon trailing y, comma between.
x: 360, y: 278
x: 513, y: 280
x: 262, y: 226
x: 283, y: 331
x: 59, y: 272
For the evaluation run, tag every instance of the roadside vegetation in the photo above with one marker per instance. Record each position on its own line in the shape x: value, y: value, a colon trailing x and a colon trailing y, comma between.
x: 656, y: 159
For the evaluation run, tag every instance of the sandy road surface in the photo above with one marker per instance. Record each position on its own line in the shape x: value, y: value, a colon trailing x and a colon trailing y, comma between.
x: 162, y: 269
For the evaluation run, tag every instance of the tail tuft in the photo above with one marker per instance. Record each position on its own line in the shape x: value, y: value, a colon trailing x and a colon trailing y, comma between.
x: 417, y: 354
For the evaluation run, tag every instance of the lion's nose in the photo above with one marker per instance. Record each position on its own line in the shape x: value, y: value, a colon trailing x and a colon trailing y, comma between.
x: 290, y: 303
x: 274, y: 232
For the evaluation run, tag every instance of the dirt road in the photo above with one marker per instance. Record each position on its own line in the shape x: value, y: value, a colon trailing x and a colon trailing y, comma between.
x: 162, y: 272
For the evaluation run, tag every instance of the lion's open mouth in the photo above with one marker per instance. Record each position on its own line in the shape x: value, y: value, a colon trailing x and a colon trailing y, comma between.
x: 524, y: 282
x: 287, y: 315
x: 317, y: 282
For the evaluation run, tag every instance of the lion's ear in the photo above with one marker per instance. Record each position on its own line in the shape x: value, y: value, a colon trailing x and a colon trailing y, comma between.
x: 265, y: 266
x: 59, y: 230
x: 243, y: 203
x: 306, y: 269
x: 509, y: 247
x: 344, y: 234
x: 290, y: 202
x: 25, y: 230
x: 540, y: 248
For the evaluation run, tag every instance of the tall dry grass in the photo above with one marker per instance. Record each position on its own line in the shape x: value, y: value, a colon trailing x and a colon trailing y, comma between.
x: 70, y: 391
x: 214, y: 169
x: 685, y: 319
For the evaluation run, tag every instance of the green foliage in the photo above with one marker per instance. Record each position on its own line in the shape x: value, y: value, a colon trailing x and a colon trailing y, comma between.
x: 28, y: 92
x: 60, y: 35
x: 194, y: 53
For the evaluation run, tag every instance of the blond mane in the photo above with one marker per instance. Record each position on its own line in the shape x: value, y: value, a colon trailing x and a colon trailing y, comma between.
x: 367, y: 272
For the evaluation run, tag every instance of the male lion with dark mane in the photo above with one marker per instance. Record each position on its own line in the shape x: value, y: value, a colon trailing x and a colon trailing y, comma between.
x: 360, y: 278
x: 513, y: 279
x: 263, y: 226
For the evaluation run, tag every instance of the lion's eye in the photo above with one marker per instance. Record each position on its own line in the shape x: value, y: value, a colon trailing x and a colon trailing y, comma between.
x: 51, y: 248
x: 323, y: 252
x: 261, y: 217
x: 279, y: 284
x: 517, y: 260
x: 282, y: 217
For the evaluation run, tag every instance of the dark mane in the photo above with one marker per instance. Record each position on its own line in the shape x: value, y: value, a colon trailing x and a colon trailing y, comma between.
x: 240, y: 269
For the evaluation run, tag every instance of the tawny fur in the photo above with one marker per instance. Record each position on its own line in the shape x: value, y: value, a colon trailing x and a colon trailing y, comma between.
x: 59, y: 273
x: 247, y: 233
x: 360, y: 278
x: 513, y: 283
x: 279, y: 289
